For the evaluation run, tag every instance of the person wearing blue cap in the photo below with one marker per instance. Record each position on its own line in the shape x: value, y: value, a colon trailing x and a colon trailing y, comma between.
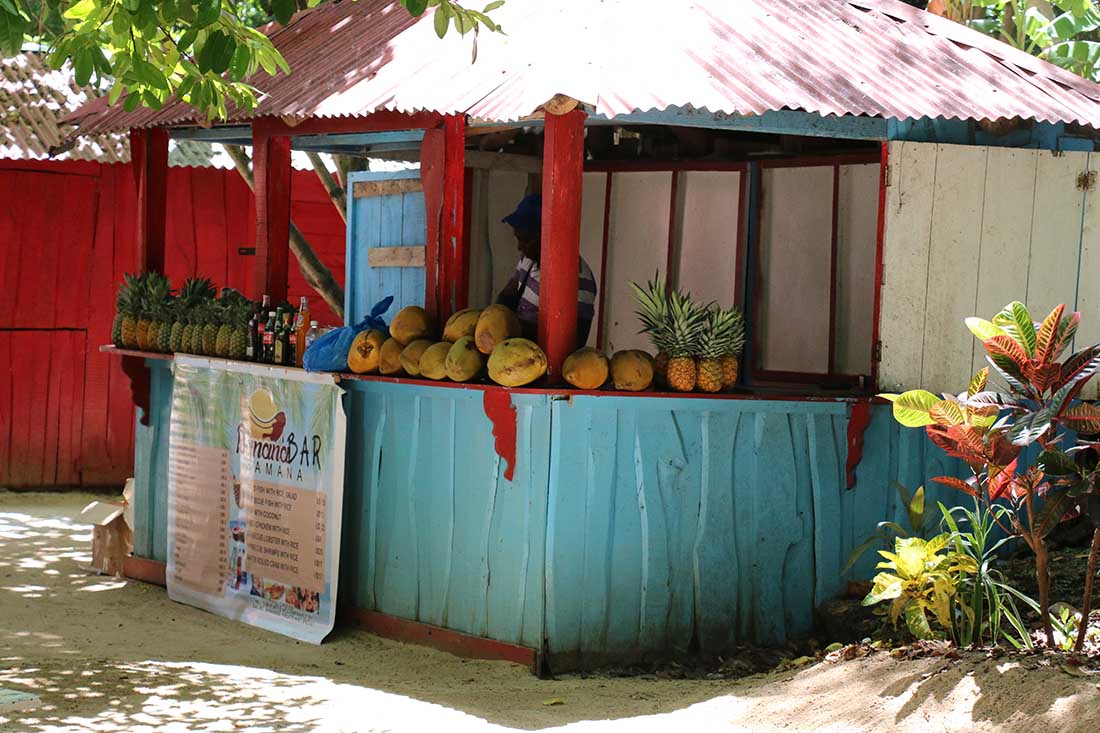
x: 521, y: 294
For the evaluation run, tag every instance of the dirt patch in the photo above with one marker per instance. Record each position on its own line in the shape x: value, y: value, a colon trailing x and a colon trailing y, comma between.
x: 111, y: 655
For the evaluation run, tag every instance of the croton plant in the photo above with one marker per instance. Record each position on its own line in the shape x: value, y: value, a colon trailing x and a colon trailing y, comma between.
x: 988, y: 428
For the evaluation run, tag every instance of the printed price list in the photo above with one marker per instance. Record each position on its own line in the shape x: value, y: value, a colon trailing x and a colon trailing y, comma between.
x: 203, y: 481
x: 286, y: 534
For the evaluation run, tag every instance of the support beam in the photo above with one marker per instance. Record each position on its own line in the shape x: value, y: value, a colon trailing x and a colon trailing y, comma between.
x: 562, y: 178
x: 149, y: 156
x: 272, y: 173
x: 451, y: 285
x: 432, y: 164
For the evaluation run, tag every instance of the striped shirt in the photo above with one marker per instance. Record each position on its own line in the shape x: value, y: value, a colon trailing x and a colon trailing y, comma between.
x: 526, y: 277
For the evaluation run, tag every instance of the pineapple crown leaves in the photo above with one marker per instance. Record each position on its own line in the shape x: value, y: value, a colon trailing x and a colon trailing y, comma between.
x: 196, y: 290
x: 724, y: 333
x: 687, y: 324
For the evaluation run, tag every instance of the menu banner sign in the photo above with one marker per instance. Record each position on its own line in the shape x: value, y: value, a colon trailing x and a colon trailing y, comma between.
x: 255, y: 486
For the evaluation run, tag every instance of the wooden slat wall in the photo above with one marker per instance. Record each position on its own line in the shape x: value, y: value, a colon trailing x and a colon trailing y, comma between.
x: 969, y: 229
x: 66, y: 237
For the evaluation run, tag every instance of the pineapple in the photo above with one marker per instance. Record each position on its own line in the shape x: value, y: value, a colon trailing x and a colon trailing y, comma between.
x: 155, y: 293
x: 653, y: 312
x: 175, y: 338
x: 163, y: 325
x: 687, y: 322
x: 238, y: 338
x: 734, y: 346
x: 193, y: 295
x: 212, y: 315
x: 122, y: 328
x: 224, y: 332
x: 716, y: 342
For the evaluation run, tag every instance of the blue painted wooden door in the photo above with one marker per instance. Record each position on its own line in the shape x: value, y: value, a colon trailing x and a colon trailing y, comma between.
x: 387, y: 220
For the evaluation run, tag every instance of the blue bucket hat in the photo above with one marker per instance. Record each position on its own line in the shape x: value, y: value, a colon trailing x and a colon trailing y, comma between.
x: 528, y: 214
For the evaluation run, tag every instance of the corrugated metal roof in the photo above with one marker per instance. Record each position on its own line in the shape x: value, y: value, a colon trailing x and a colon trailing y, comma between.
x: 35, y: 100
x: 878, y: 58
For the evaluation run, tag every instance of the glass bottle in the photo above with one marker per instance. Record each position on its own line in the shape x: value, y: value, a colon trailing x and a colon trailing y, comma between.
x: 301, y: 326
x: 269, y: 339
x: 312, y: 334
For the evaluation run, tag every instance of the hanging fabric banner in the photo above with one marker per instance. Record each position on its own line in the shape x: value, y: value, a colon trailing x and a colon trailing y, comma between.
x: 255, y: 486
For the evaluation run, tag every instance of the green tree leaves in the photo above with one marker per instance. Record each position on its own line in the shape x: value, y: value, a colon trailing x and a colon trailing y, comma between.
x: 201, y: 51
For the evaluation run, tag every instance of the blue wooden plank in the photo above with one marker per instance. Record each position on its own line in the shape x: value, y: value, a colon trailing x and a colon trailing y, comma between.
x: 414, y: 231
x: 161, y: 382
x: 781, y: 122
x: 826, y: 476
x: 625, y: 599
x: 799, y: 565
x: 601, y: 433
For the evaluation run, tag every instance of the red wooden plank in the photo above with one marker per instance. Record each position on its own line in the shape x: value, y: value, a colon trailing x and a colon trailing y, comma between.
x: 452, y: 642
x: 454, y: 176
x: 100, y: 307
x: 72, y: 287
x: 462, y: 281
x: 208, y: 202
x: 833, y: 251
x: 271, y: 174
x: 237, y: 235
x: 28, y: 279
x: 30, y: 382
x: 562, y: 178
x: 151, y: 169
x: 602, y: 290
x: 118, y: 457
x: 6, y: 380
x: 9, y: 254
x: 68, y: 167
x: 72, y: 422
x: 431, y: 176
x: 147, y: 571
x: 879, y: 239
x: 51, y: 405
x: 180, y: 253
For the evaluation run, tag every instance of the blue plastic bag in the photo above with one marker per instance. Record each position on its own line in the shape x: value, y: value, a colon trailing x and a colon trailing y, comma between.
x: 330, y: 352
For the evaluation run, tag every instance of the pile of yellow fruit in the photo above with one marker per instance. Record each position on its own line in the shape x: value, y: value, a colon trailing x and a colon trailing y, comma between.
x: 473, y: 341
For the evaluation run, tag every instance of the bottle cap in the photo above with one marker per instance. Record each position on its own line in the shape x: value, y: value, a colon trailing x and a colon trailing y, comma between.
x: 313, y: 324
x: 271, y: 314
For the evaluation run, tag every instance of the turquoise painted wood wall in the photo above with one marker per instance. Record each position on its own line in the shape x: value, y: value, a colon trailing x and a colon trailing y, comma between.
x: 632, y: 528
x: 432, y: 530
x: 393, y: 220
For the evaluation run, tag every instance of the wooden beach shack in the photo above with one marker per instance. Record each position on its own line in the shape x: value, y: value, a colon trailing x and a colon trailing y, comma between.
x: 857, y: 175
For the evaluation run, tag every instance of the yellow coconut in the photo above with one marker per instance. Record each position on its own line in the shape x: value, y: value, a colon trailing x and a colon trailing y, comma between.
x: 411, y: 324
x: 366, y: 351
x: 432, y: 361
x: 516, y: 362
x: 496, y: 324
x: 410, y: 356
x: 389, y: 358
x: 463, y: 323
x: 464, y: 361
x: 632, y: 371
x: 586, y: 368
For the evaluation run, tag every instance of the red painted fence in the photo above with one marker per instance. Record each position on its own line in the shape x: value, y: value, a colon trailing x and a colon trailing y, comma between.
x: 66, y: 236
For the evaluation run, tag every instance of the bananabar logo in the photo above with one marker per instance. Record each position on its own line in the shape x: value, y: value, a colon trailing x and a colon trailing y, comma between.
x: 261, y: 436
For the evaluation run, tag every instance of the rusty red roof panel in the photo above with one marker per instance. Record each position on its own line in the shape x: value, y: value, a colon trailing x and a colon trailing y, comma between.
x: 877, y: 58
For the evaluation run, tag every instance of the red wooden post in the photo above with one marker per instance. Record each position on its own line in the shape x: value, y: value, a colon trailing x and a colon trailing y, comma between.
x: 454, y: 186
x: 149, y: 158
x: 271, y: 173
x: 431, y: 178
x: 562, y: 178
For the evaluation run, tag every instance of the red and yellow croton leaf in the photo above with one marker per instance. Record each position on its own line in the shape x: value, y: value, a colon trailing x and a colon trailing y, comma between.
x: 956, y: 483
x: 1082, y: 418
x: 1048, y: 334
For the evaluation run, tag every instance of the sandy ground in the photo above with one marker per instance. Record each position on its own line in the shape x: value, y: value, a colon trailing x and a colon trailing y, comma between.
x: 110, y: 655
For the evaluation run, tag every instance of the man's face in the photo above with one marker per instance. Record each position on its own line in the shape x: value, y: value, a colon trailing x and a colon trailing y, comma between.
x: 528, y: 242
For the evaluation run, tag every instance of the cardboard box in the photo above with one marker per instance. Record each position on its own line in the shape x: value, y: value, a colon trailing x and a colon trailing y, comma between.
x: 112, y: 538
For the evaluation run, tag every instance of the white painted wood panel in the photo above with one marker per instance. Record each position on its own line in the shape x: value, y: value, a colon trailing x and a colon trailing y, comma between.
x: 905, y: 263
x: 593, y: 199
x: 637, y: 248
x: 955, y: 242
x: 1006, y: 235
x: 1055, y: 232
x: 795, y: 257
x: 857, y: 234
x: 1088, y: 281
x: 708, y: 233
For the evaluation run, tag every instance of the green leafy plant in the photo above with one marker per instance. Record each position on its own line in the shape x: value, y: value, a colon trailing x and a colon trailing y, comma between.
x: 987, y: 428
x: 996, y: 615
x: 921, y: 580
x: 886, y: 532
x: 200, y: 51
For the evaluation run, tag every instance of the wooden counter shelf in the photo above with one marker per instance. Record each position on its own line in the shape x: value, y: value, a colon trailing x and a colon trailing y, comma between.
x: 563, y: 392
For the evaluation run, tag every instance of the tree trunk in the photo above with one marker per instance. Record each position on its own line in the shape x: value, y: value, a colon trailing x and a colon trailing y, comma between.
x: 335, y: 192
x: 319, y: 277
x: 1086, y: 601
